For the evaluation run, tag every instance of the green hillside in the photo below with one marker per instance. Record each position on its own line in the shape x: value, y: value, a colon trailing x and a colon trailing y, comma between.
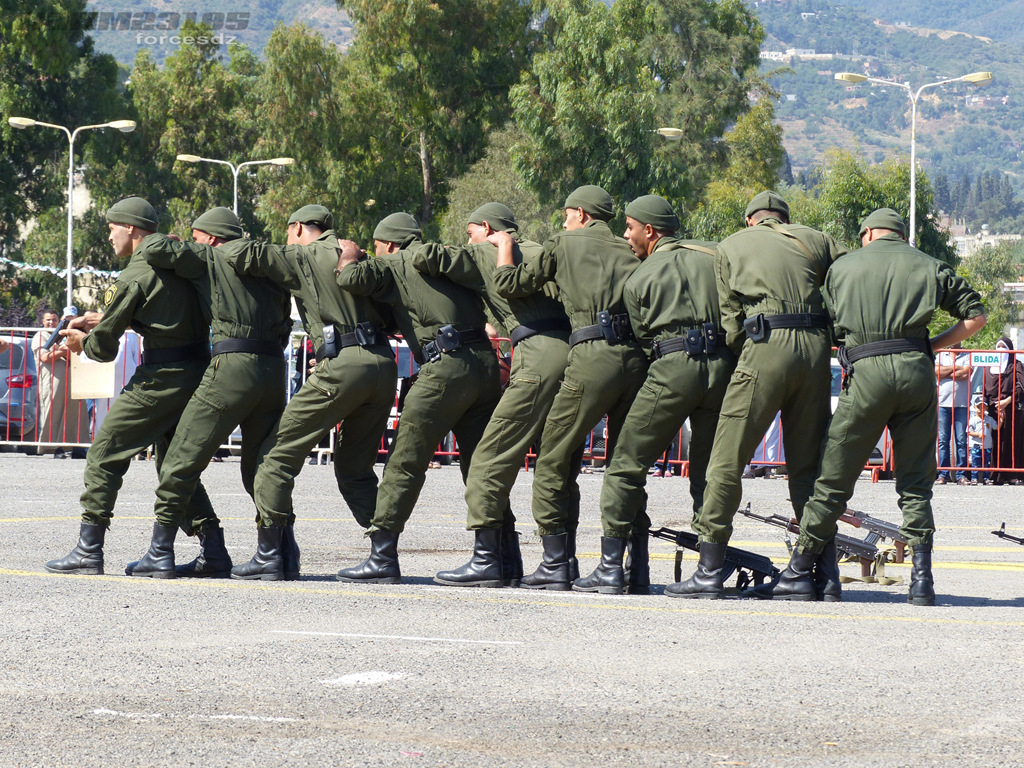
x: 1002, y: 21
x: 962, y: 130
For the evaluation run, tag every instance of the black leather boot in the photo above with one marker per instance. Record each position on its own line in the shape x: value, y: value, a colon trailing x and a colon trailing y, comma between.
x: 511, y: 557
x: 608, y: 578
x: 213, y: 562
x: 922, y: 587
x: 553, y: 571
x: 706, y: 582
x: 638, y: 565
x: 381, y: 567
x: 86, y: 558
x: 795, y: 583
x: 827, y: 586
x: 267, y: 564
x: 570, y: 554
x: 158, y: 562
x: 290, y: 553
x: 483, y: 568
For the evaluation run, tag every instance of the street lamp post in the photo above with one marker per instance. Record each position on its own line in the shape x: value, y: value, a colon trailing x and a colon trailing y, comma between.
x: 975, y: 78
x: 235, y: 168
x: 125, y: 126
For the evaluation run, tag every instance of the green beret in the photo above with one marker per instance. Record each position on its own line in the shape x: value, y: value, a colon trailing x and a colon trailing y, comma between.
x: 884, y: 218
x: 133, y: 212
x: 316, y: 215
x: 593, y: 200
x: 654, y: 210
x: 219, y: 222
x: 497, y: 215
x: 767, y: 201
x: 397, y: 228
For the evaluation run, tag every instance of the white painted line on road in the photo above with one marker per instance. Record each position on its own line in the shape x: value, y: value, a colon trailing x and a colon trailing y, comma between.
x: 250, y: 718
x: 398, y: 637
x: 375, y: 677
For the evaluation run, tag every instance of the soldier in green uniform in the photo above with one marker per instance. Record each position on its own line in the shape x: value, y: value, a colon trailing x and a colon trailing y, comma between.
x: 539, y: 331
x: 456, y: 390
x: 165, y: 310
x: 769, y: 287
x: 881, y: 299
x: 244, y: 385
x: 672, y: 300
x: 353, y: 385
x: 606, y: 366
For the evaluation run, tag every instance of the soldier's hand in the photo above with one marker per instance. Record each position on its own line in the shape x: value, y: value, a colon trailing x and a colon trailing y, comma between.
x: 348, y: 253
x: 498, y: 238
x: 86, y: 322
x: 73, y: 339
x: 312, y: 364
x: 174, y: 237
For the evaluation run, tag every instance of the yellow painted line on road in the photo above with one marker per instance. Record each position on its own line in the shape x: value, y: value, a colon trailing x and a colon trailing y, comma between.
x: 968, y: 565
x: 703, y: 607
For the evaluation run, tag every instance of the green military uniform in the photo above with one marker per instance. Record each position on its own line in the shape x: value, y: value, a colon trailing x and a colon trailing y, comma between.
x: 240, y: 388
x: 165, y: 311
x: 538, y: 363
x: 589, y: 266
x: 354, y: 388
x: 672, y: 291
x: 886, y: 290
x: 456, y: 392
x: 881, y: 299
x: 770, y: 269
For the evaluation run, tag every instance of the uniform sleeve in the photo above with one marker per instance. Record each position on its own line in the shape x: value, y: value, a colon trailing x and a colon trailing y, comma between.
x: 188, y: 260
x: 833, y: 249
x: 102, y: 343
x: 956, y: 296
x: 457, y: 264
x: 828, y: 294
x: 530, y: 276
x: 732, y: 310
x: 271, y: 262
x: 634, y: 308
x: 370, y: 277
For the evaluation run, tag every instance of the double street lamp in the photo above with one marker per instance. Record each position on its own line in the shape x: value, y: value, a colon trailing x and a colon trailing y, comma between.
x: 236, y: 168
x: 975, y: 78
x: 125, y: 126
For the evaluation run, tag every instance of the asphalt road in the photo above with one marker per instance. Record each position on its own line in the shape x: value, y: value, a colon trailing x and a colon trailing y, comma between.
x: 109, y: 670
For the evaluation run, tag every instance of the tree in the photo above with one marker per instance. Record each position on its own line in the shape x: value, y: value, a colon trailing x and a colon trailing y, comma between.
x: 443, y: 69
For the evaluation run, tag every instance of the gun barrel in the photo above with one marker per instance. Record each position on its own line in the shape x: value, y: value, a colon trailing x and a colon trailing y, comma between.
x: 70, y: 313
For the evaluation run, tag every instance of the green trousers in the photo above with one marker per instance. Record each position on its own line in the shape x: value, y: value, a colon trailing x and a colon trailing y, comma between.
x: 356, y: 391
x: 600, y: 379
x: 678, y: 387
x: 790, y: 372
x: 238, y: 389
x: 456, y: 394
x: 538, y: 363
x: 895, y: 391
x: 144, y: 414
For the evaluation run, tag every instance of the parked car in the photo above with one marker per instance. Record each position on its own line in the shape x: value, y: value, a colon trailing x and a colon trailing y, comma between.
x: 19, y: 387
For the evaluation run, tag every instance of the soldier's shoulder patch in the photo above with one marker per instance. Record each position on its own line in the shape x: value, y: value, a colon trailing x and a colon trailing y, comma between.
x: 108, y: 297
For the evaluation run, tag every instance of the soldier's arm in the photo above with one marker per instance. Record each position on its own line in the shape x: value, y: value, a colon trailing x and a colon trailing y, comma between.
x: 732, y: 310
x: 102, y: 343
x: 828, y: 294
x: 529, y: 277
x: 961, y: 301
x: 273, y: 262
x: 456, y: 263
x: 188, y: 260
x: 634, y: 308
x: 370, y: 277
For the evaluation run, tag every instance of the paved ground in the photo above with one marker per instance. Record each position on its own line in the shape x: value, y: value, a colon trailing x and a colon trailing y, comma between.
x: 100, y: 671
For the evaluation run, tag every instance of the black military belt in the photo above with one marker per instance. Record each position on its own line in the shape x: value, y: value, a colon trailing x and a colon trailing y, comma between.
x: 758, y: 326
x: 251, y: 346
x: 198, y: 351
x: 448, y: 340
x: 365, y: 335
x: 614, y: 329
x: 847, y: 357
x: 698, y: 341
x: 539, y: 326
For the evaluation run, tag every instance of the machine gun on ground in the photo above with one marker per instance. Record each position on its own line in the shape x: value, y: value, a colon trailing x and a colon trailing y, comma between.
x: 751, y: 569
x: 1002, y: 534
x: 863, y: 551
x: 881, y: 528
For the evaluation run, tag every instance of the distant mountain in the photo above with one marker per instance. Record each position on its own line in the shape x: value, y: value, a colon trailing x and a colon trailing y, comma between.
x: 123, y: 28
x: 998, y: 19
